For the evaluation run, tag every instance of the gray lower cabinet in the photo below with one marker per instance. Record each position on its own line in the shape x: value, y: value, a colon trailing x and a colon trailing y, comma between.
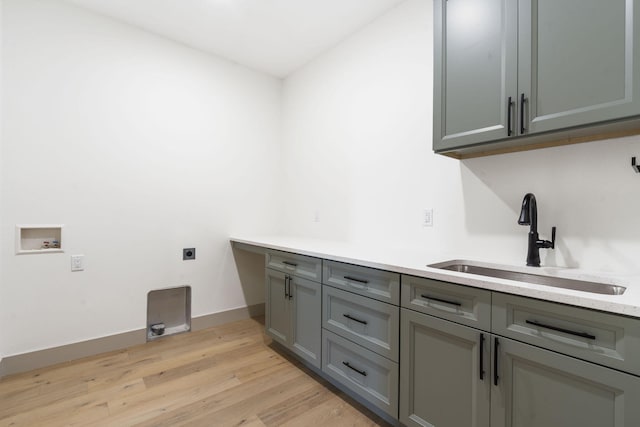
x: 293, y: 314
x: 444, y: 373
x: 453, y: 355
x: 540, y: 388
x: 453, y: 375
x: 369, y: 375
x: 602, y: 338
x: 367, y: 322
x: 361, y: 321
x: 509, y: 70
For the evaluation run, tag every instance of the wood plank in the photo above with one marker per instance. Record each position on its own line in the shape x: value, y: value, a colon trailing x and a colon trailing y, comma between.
x: 235, y: 404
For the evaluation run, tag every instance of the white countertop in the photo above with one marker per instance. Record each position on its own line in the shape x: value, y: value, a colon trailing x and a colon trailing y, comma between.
x: 410, y: 263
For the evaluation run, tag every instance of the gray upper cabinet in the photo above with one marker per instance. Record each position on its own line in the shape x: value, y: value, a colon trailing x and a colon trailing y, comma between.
x: 475, y: 70
x: 511, y: 73
x: 578, y: 62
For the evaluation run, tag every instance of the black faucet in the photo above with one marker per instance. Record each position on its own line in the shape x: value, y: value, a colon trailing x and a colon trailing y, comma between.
x: 529, y: 216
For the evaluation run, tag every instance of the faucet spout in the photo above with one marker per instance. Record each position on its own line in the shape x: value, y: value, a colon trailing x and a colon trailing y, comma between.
x: 529, y: 216
x: 529, y: 212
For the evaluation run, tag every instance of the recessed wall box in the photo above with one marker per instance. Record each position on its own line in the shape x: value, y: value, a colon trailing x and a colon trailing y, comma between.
x: 39, y: 238
x: 169, y: 311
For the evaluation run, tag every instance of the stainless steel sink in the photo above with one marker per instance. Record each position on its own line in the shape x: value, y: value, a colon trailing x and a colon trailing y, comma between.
x: 538, y: 279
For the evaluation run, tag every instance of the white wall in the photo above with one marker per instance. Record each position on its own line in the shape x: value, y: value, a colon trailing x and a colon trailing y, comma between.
x: 141, y: 147
x: 357, y: 150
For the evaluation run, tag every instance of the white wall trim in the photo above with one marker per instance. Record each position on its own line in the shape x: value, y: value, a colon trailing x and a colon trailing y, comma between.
x: 51, y: 356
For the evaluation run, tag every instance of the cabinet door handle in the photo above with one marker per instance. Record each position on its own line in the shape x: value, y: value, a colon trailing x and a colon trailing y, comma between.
x: 496, y: 377
x: 286, y: 280
x: 509, y: 114
x: 363, y: 373
x: 457, y: 304
x: 482, y: 357
x: 364, y: 322
x: 355, y: 279
x: 291, y: 264
x: 559, y: 329
x: 523, y: 101
x: 290, y: 294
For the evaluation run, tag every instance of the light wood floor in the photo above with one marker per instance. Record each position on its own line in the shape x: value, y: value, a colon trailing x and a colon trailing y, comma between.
x: 222, y: 376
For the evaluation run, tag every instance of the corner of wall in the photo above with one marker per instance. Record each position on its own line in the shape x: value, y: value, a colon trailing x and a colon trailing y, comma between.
x: 1, y: 204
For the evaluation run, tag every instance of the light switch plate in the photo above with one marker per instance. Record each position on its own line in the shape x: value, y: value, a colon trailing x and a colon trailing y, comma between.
x: 77, y: 262
x: 427, y: 217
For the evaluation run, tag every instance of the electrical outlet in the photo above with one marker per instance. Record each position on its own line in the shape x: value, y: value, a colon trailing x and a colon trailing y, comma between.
x: 77, y: 262
x: 427, y: 217
x: 188, y: 253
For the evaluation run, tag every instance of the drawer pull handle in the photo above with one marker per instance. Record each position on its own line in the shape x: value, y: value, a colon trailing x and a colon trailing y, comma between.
x: 457, y: 304
x: 566, y: 331
x: 482, y: 357
x: 355, y: 279
x: 364, y: 322
x: 292, y: 264
x: 348, y: 365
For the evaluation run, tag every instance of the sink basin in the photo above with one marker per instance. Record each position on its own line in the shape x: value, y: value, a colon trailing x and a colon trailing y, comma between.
x: 538, y: 279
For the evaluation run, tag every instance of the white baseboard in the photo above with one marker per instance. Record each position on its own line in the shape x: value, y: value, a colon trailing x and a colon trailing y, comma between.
x: 10, y: 365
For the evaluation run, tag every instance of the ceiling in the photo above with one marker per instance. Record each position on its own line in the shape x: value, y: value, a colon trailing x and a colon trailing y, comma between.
x: 273, y: 36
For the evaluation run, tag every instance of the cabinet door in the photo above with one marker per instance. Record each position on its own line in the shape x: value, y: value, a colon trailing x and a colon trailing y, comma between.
x: 442, y: 382
x: 277, y: 313
x: 579, y: 62
x: 475, y: 70
x: 540, y: 388
x: 306, y: 319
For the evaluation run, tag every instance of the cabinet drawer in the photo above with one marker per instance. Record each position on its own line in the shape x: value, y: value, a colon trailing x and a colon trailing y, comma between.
x: 297, y: 265
x: 603, y: 338
x: 378, y: 284
x: 364, y: 372
x: 462, y: 304
x: 370, y: 323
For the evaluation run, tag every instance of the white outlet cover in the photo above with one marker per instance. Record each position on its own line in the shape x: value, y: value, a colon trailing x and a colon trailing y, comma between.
x: 77, y: 262
x: 427, y: 218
